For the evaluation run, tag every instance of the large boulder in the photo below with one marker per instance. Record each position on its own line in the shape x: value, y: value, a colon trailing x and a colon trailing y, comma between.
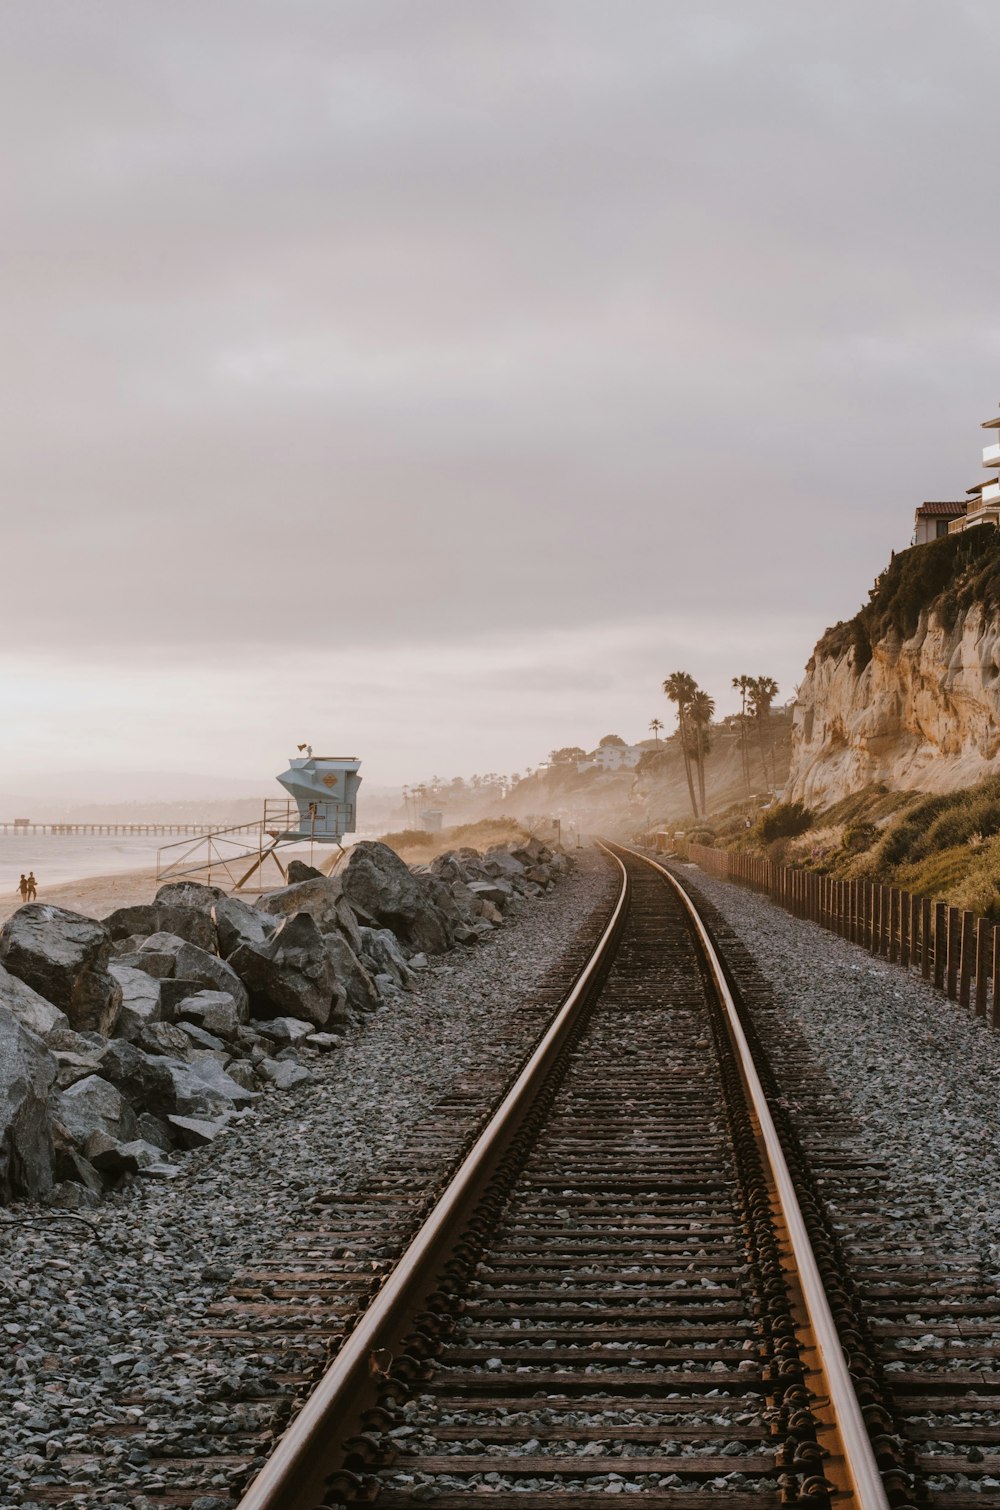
x: 32, y: 1011
x: 500, y: 862
x: 212, y: 1010
x: 143, y: 1079
x: 292, y: 975
x: 95, y: 1105
x: 323, y: 898
x: 188, y: 894
x: 189, y: 923
x: 236, y: 924
x: 361, y: 990
x: 64, y: 957
x: 27, y: 1074
x: 298, y: 870
x: 381, y: 948
x: 203, y: 1089
x: 194, y: 964
x: 378, y: 882
x: 141, y: 1000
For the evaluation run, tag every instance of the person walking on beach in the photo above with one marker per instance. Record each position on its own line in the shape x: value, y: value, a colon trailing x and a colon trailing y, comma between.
x: 32, y: 886
x: 22, y: 887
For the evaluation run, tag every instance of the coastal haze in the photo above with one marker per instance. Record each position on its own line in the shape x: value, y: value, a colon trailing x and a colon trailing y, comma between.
x: 429, y: 382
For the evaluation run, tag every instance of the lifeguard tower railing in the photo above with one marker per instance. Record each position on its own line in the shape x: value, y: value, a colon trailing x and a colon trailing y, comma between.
x: 234, y: 855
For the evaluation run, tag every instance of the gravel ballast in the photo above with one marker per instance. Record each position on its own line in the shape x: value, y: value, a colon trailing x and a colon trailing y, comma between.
x: 106, y: 1305
x: 919, y: 1074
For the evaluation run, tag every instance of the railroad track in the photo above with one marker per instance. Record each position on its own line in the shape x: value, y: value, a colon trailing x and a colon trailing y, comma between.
x: 632, y: 1284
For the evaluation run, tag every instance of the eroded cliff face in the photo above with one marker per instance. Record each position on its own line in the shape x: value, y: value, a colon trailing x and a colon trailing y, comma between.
x: 924, y: 714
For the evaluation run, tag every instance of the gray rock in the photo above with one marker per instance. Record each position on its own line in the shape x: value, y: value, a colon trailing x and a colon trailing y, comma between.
x: 203, y: 1089
x: 298, y: 870
x: 236, y: 924
x: 214, y: 1011
x: 95, y: 1105
x: 317, y: 896
x: 200, y: 1039
x: 143, y: 1079
x: 141, y: 999
x: 195, y: 1132
x: 283, y: 1074
x: 190, y: 923
x: 27, y: 1074
x: 110, y: 1157
x: 242, y: 1073
x: 160, y: 965
x: 71, y: 1067
x: 64, y: 957
x: 189, y: 894
x: 286, y: 1029
x: 377, y: 881
x: 153, y: 1130
x: 324, y: 1042
x: 466, y: 901
x: 497, y: 891
x: 500, y: 862
x: 382, y: 948
x: 361, y: 992
x: 292, y: 974
x: 489, y: 912
x: 164, y: 1038
x: 69, y: 1196
x: 194, y: 964
x: 31, y: 1010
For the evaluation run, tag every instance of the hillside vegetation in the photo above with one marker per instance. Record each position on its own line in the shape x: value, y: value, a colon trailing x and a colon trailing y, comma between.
x: 942, y: 577
x: 945, y: 846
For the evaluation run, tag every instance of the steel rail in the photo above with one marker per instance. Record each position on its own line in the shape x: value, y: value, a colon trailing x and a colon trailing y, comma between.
x: 859, y: 1458
x: 292, y: 1478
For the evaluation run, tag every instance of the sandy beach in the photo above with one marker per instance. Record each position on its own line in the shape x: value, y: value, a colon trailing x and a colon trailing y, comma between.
x: 94, y: 896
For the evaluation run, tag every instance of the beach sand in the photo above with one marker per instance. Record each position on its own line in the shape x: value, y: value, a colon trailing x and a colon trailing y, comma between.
x: 95, y: 896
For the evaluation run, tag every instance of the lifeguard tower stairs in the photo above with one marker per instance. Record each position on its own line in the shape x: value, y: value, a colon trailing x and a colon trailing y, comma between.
x: 321, y: 808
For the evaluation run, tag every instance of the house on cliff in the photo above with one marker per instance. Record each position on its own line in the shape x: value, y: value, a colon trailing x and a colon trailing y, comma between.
x: 981, y: 504
x: 932, y: 520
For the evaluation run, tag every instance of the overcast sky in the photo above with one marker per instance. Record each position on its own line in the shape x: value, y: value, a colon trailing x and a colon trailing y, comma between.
x: 429, y: 380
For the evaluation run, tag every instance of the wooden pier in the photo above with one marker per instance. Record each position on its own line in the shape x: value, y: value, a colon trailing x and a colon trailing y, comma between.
x: 23, y: 826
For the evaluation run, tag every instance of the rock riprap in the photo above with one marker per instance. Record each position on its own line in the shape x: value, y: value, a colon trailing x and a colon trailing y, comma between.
x: 126, y: 1040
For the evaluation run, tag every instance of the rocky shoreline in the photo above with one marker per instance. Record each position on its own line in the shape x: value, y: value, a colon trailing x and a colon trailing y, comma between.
x: 108, y: 1372
x: 127, y: 1040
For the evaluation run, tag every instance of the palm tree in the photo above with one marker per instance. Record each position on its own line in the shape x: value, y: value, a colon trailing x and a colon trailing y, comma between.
x: 743, y: 684
x: 680, y: 687
x: 656, y: 725
x: 763, y: 691
x: 701, y: 713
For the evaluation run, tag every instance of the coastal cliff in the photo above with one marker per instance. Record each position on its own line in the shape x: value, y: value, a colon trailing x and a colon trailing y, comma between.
x: 907, y: 693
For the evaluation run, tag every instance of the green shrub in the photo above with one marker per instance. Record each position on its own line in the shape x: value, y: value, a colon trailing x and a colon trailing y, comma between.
x: 784, y: 821
x: 703, y: 836
x: 859, y: 837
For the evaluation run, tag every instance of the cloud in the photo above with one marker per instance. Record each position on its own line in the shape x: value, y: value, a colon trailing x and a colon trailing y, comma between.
x: 332, y: 328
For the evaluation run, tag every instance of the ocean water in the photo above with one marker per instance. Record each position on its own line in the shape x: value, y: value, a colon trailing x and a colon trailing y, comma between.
x: 58, y: 858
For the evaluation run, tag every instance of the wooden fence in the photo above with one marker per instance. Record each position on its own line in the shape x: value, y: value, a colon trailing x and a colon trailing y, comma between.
x: 957, y: 950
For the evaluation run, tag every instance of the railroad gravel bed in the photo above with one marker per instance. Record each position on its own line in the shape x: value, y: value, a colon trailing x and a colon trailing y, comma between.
x: 920, y: 1074
x: 98, y: 1307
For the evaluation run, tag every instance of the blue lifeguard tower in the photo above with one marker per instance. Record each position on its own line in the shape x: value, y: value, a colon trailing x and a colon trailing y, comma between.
x: 324, y: 789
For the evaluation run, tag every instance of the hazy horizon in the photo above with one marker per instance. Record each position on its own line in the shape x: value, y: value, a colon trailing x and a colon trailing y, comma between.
x: 428, y: 382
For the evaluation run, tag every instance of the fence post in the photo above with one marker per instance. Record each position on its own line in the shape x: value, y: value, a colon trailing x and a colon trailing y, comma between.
x: 995, y: 1002
x: 893, y: 939
x: 925, y: 937
x: 940, y: 943
x: 982, y: 965
x: 966, y: 957
x: 954, y: 952
x: 904, y: 929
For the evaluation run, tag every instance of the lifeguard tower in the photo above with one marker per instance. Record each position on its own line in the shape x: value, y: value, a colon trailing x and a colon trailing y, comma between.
x: 322, y: 806
x: 324, y: 789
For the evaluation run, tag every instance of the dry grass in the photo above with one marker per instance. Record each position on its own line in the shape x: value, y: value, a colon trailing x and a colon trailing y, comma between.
x: 418, y: 848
